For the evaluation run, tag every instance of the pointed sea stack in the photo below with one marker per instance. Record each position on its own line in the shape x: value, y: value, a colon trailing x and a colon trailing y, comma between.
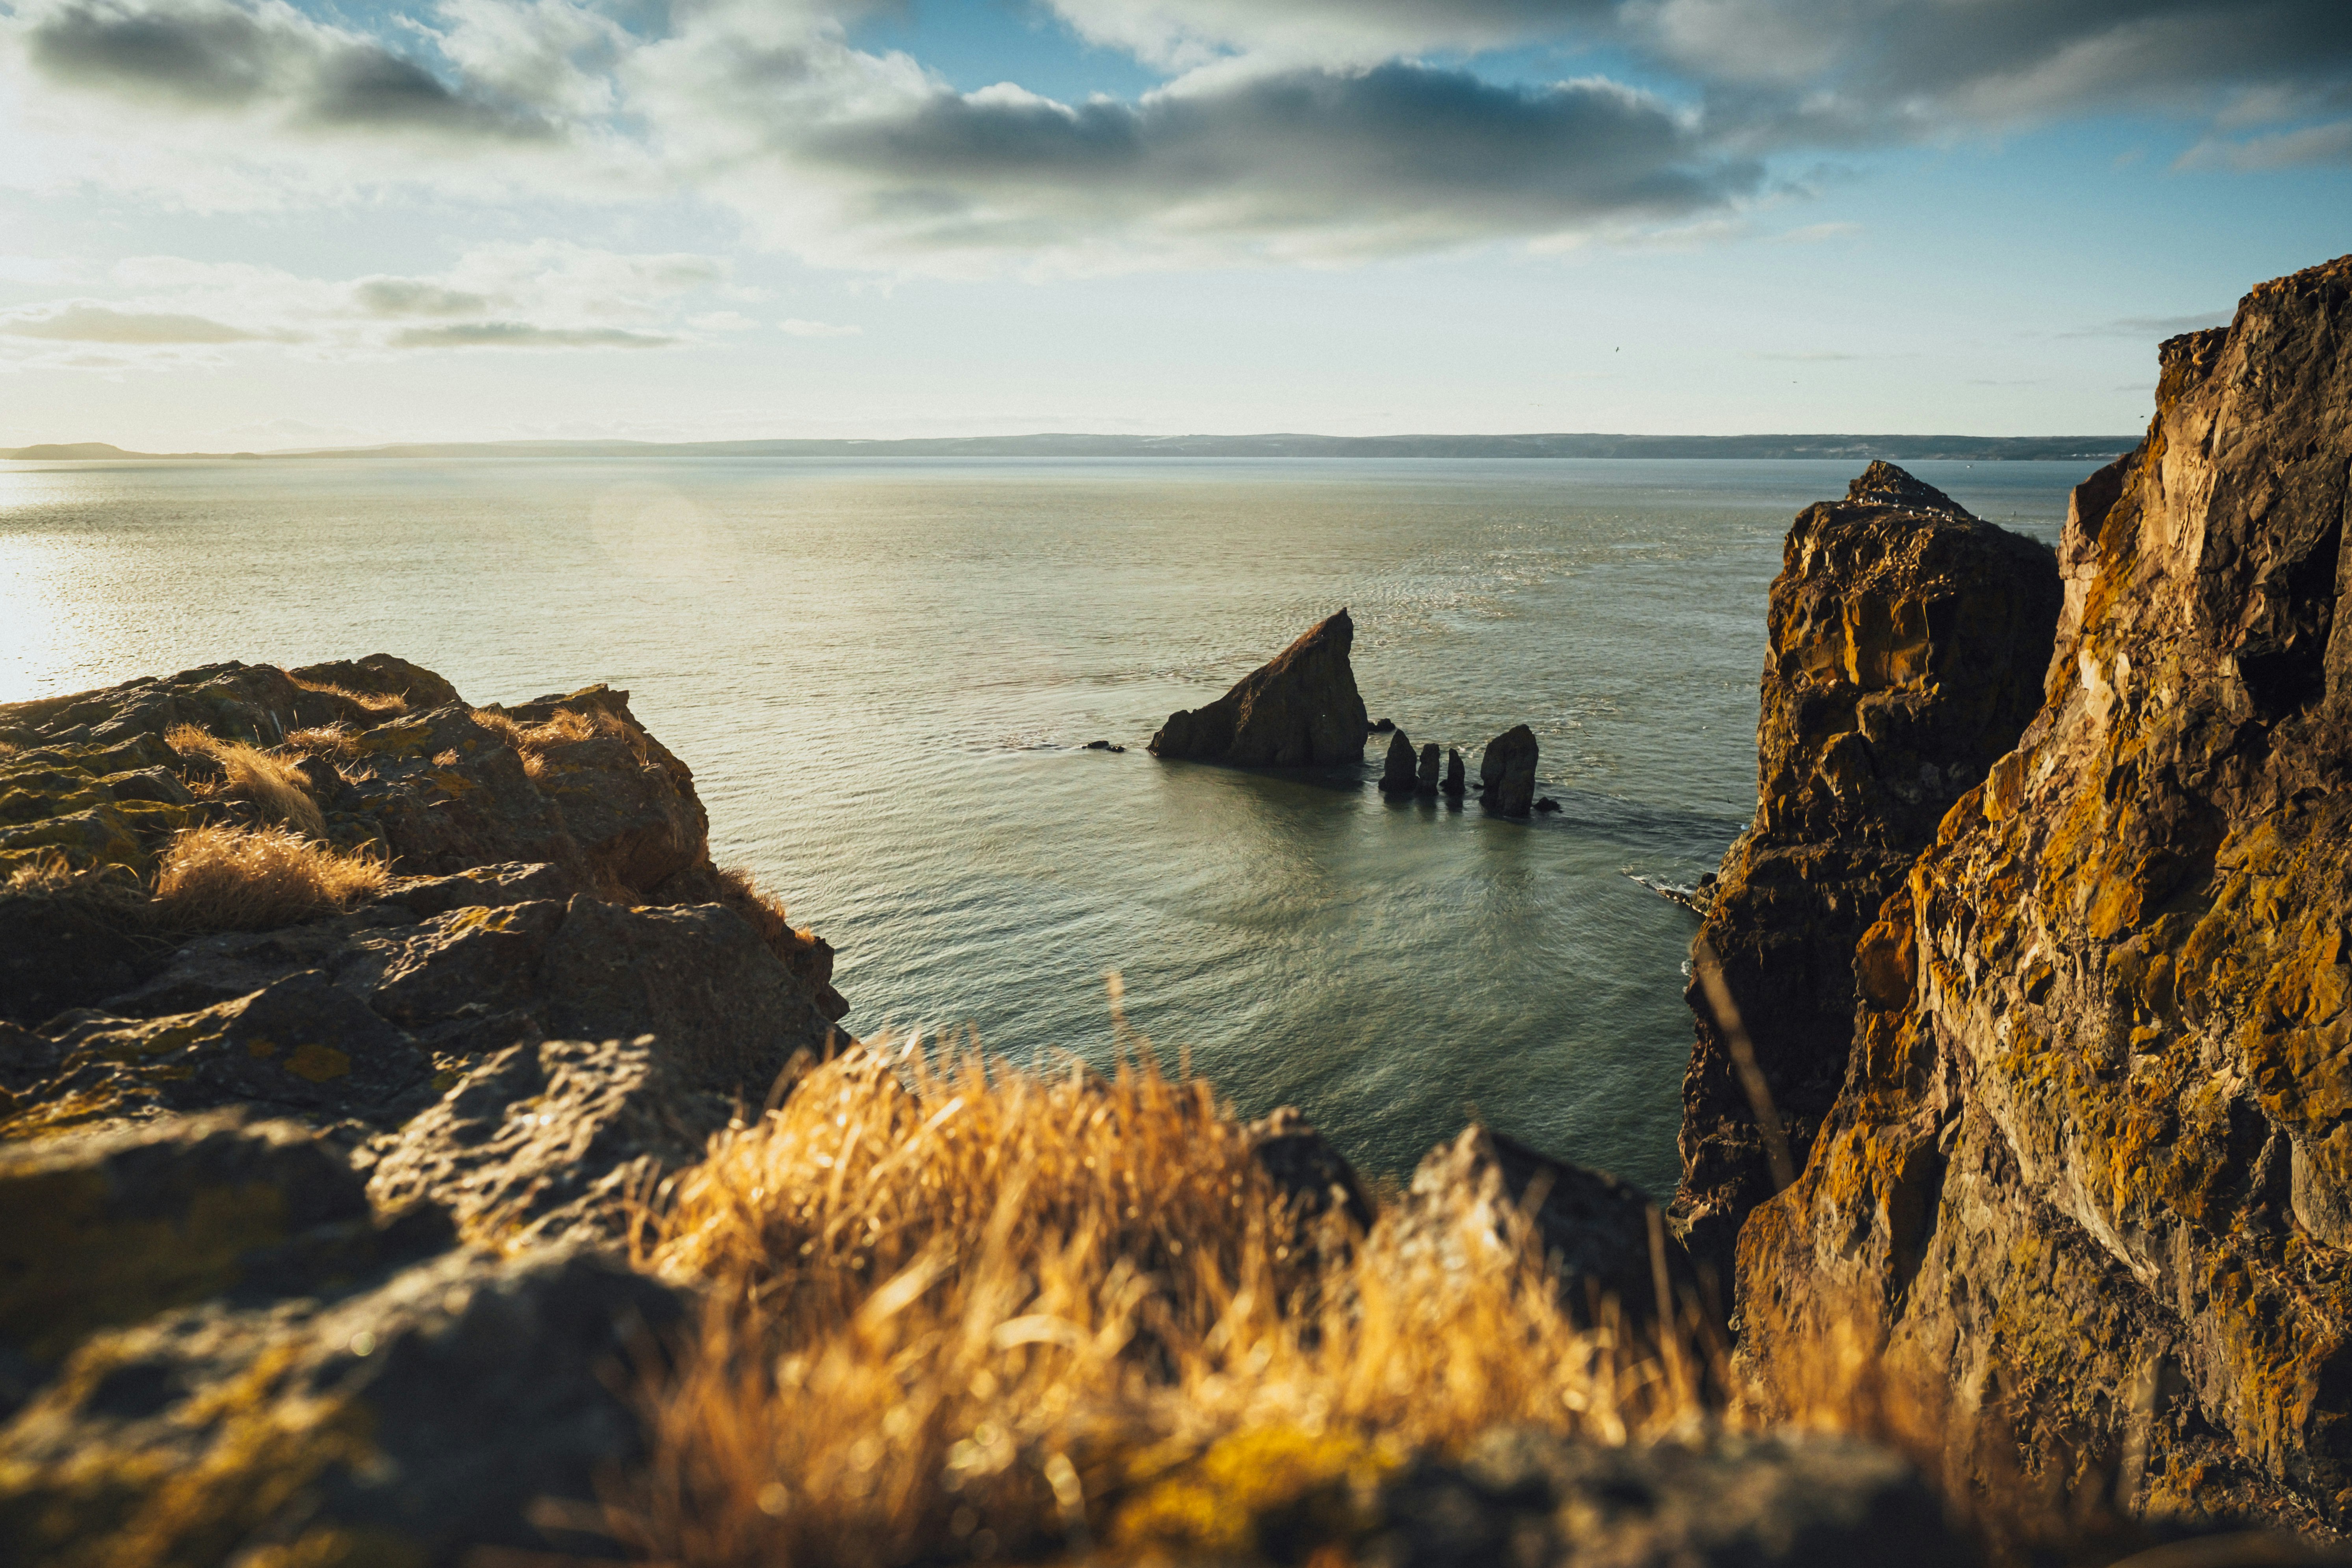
x: 1397, y: 776
x: 1507, y: 772
x: 1425, y: 783
x: 1299, y: 710
x: 1454, y: 775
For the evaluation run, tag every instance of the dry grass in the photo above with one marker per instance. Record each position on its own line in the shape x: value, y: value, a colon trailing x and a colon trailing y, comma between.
x: 48, y: 873
x: 234, y: 878
x: 740, y: 891
x: 1059, y: 1309
x: 273, y: 785
x: 336, y: 742
x: 377, y: 704
x: 535, y: 742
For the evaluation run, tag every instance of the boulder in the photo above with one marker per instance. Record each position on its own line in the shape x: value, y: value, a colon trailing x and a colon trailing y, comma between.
x: 1455, y: 775
x: 1785, y: 1501
x: 550, y: 1140
x: 1905, y: 643
x: 1603, y: 1237
x: 727, y: 1014
x: 2090, y: 1150
x: 434, y: 1414
x: 1425, y: 781
x: 1507, y: 771
x: 1313, y: 1176
x: 1398, y: 774
x: 1301, y: 710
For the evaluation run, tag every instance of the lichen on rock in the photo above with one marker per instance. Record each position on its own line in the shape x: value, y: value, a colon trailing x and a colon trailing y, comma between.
x: 2091, y: 1155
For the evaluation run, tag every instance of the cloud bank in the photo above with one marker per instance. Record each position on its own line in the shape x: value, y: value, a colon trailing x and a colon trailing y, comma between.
x: 1321, y: 130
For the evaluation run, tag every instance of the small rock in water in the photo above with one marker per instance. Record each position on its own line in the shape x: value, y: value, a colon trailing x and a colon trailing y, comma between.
x: 1507, y: 772
x: 1425, y: 783
x: 1454, y: 775
x: 1397, y: 777
x: 1101, y: 746
x: 1547, y: 804
x: 1382, y: 728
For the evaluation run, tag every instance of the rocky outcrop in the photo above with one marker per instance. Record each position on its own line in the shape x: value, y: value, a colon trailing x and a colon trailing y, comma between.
x: 1455, y: 778
x: 2093, y: 1157
x: 1300, y: 709
x: 309, y: 1236
x: 1906, y: 642
x: 1425, y: 778
x: 1507, y: 771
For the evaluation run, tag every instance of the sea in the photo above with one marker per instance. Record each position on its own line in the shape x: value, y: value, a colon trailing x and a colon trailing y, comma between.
x: 885, y: 674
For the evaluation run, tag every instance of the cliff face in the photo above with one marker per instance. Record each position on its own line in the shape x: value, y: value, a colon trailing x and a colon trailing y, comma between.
x: 1907, y: 644
x: 2094, y: 1155
x: 1300, y: 709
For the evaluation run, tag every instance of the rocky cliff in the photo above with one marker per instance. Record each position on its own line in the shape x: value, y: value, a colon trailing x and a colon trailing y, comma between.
x: 2091, y: 1161
x: 1300, y: 709
x: 1905, y: 643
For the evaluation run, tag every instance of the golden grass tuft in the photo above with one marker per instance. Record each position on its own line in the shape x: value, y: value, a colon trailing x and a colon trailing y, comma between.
x: 377, y: 704
x: 271, y: 783
x: 235, y: 879
x: 336, y: 742
x: 535, y: 742
x: 47, y: 873
x: 740, y: 891
x: 1063, y: 1310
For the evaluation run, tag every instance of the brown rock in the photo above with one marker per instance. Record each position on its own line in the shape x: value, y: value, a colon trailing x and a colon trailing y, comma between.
x: 2092, y: 1148
x: 1425, y: 783
x: 1906, y: 642
x: 1455, y: 778
x: 1299, y: 710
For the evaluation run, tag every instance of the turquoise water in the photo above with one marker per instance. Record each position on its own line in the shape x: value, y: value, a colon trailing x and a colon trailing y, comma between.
x: 883, y: 674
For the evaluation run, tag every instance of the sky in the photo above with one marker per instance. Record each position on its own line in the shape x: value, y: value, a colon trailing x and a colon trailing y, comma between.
x: 277, y: 223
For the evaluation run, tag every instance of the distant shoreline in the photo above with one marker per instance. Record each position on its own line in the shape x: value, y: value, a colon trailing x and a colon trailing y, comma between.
x: 1897, y: 449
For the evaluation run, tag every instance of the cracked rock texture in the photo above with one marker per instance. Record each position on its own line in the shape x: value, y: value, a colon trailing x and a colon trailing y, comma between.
x: 2093, y: 1156
x: 1906, y: 642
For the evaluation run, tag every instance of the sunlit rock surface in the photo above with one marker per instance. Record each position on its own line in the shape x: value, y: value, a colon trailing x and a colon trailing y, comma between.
x: 2093, y: 1158
x: 1300, y: 709
x: 1906, y: 642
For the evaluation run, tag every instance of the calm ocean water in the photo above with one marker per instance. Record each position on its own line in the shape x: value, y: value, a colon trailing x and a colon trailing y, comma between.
x: 882, y: 674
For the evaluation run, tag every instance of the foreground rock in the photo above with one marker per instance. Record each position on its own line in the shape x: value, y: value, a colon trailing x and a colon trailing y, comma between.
x: 308, y: 1233
x: 1736, y: 1502
x: 2092, y: 1154
x: 229, y: 1356
x: 1906, y: 642
x: 1301, y: 710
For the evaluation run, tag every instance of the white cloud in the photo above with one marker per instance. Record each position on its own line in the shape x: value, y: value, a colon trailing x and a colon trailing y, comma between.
x: 545, y: 294
x: 801, y: 328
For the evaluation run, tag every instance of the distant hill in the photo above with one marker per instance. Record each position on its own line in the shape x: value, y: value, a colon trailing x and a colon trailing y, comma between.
x: 1899, y: 449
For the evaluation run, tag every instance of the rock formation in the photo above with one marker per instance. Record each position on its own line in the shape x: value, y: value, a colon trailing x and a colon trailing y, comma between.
x: 1906, y: 642
x: 1398, y: 774
x: 1454, y: 775
x: 1425, y: 779
x: 304, y: 1230
x: 2092, y: 1159
x: 1300, y: 709
x: 1507, y: 772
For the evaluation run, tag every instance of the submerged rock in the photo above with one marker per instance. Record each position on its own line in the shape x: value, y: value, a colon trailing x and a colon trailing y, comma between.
x: 1300, y: 709
x: 1906, y: 647
x: 1507, y: 771
x: 1398, y: 774
x: 2091, y: 1151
